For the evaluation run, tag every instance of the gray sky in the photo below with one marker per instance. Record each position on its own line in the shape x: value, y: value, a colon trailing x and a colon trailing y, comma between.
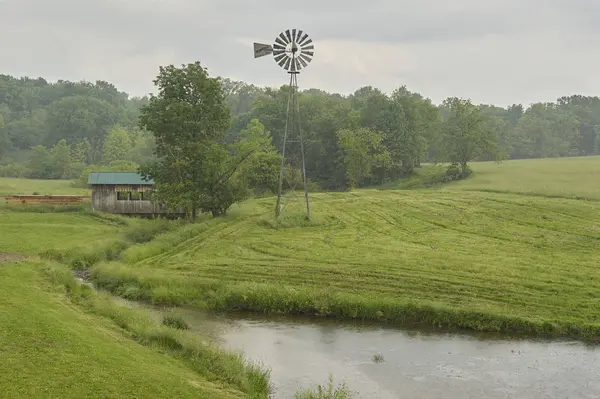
x: 492, y: 51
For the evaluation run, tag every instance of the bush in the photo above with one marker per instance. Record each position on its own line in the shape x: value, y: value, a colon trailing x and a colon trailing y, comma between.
x: 145, y: 232
x: 456, y: 172
x: 14, y: 170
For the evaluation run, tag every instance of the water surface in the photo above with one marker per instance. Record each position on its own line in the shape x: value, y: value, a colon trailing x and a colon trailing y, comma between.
x: 416, y: 364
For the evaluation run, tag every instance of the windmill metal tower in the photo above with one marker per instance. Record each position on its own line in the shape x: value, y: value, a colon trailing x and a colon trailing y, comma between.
x: 292, y: 50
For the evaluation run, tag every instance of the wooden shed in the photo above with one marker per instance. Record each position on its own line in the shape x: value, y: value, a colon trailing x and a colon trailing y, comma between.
x: 125, y: 193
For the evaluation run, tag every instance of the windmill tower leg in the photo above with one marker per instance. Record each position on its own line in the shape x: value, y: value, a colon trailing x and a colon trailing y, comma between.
x: 293, y: 130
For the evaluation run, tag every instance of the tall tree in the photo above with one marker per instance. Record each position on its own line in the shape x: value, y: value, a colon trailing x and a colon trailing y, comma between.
x: 464, y: 133
x: 188, y: 118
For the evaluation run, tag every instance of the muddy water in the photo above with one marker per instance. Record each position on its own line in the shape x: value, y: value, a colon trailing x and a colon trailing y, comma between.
x: 415, y: 364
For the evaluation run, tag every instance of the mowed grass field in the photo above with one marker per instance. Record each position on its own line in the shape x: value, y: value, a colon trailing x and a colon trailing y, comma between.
x: 577, y: 177
x: 451, y: 256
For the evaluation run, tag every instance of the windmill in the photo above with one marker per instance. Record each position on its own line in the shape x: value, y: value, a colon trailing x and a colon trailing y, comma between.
x: 292, y: 50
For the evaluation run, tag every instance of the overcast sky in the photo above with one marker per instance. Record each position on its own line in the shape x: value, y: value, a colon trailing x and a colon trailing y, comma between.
x: 492, y: 51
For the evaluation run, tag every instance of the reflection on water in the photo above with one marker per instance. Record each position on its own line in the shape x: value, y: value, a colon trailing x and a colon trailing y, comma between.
x: 416, y: 364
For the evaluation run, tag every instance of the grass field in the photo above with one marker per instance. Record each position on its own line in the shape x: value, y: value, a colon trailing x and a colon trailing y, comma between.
x: 30, y: 232
x: 560, y: 177
x: 501, y: 251
x: 51, y: 348
x: 485, y: 261
x: 59, y: 339
x: 10, y: 185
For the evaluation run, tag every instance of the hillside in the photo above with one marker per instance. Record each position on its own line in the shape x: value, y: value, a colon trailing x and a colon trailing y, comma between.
x: 575, y: 177
x: 450, y: 256
x: 65, y: 341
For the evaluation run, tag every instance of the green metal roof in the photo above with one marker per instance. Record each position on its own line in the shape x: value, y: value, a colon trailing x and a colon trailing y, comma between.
x: 132, y: 178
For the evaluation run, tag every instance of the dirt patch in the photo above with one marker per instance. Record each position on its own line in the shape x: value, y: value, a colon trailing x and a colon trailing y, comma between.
x: 7, y: 257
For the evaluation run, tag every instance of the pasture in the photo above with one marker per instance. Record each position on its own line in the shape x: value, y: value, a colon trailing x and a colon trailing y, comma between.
x: 455, y: 256
x: 9, y: 185
x: 575, y: 177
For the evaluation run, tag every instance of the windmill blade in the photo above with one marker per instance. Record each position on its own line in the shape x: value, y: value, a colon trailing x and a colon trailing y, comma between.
x: 296, y: 64
x: 306, y: 58
x: 301, y: 60
x: 280, y: 42
x: 282, y: 60
x: 298, y: 36
x: 261, y: 49
x: 294, y: 35
x: 278, y: 57
x: 311, y: 47
x: 287, y: 64
x: 285, y: 40
x: 288, y: 35
x: 303, y: 39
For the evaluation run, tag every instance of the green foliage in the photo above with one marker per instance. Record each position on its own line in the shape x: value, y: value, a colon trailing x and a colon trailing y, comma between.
x: 363, y: 151
x: 465, y: 135
x: 117, y: 146
x: 261, y: 168
x: 415, y: 131
x: 189, y: 119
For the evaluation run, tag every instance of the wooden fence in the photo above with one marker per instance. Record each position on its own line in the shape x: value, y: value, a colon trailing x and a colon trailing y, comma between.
x: 46, y: 199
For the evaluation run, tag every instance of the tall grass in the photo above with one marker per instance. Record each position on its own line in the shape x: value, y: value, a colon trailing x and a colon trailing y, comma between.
x: 329, y: 391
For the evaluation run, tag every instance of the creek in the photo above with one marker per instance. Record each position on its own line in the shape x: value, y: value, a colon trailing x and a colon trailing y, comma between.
x: 413, y: 364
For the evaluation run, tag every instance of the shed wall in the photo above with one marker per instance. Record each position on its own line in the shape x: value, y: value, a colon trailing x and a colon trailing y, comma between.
x: 104, y: 199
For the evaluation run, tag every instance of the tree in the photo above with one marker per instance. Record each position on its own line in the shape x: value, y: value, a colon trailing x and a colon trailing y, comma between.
x: 363, y: 150
x: 81, y: 151
x: 117, y: 145
x: 464, y: 133
x: 61, y: 160
x: 4, y: 141
x: 40, y: 162
x: 188, y: 118
x: 261, y: 169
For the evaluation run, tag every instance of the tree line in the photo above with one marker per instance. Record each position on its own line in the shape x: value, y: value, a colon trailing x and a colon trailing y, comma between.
x: 65, y: 129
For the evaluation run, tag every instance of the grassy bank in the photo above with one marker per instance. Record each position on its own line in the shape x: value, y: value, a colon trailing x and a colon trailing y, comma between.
x: 96, y: 347
x: 483, y: 261
x: 58, y: 339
